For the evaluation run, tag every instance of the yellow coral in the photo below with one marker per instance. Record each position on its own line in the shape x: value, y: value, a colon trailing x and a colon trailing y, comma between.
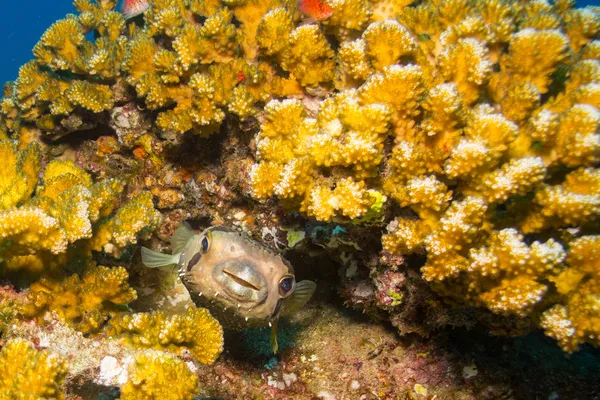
x: 350, y: 134
x: 527, y: 63
x: 134, y: 220
x: 90, y: 96
x: 515, y: 271
x: 458, y: 229
x: 582, y: 26
x: 18, y: 177
x: 400, y: 87
x: 61, y: 45
x: 26, y: 373
x: 444, y: 111
x: 249, y: 14
x: 105, y: 196
x: 386, y: 42
x: 520, y: 99
x: 577, y: 140
x: 348, y: 17
x: 152, y: 374
x: 486, y: 138
x: 576, y: 321
x: 86, y: 303
x: 274, y: 30
x: 293, y: 148
x: 517, y: 177
x: 34, y: 235
x: 60, y: 168
x: 405, y: 236
x: 71, y: 211
x: 571, y: 203
x: 353, y: 64
x: 195, y: 330
x: 308, y: 57
x: 466, y: 64
x: 28, y: 229
x: 515, y: 296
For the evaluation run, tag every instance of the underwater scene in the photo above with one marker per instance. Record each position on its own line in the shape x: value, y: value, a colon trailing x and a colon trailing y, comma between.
x: 300, y: 199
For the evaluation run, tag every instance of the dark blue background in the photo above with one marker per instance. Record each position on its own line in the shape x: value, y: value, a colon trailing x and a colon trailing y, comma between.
x: 24, y: 21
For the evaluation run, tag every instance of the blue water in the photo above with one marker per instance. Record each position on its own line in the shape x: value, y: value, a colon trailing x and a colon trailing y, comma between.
x: 21, y: 25
x: 25, y: 21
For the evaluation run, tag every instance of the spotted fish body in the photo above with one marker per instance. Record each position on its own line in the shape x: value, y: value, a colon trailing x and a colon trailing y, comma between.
x: 243, y: 283
x: 132, y: 8
x: 318, y: 10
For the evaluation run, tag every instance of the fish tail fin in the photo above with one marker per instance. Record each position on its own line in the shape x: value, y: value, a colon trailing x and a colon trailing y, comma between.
x: 153, y: 259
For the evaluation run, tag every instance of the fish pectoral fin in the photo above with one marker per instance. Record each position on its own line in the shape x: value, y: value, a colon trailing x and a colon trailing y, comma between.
x: 180, y: 238
x: 302, y: 293
x: 274, y: 344
x: 153, y: 259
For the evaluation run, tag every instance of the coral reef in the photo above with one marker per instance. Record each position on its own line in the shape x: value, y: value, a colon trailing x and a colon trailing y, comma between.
x: 468, y: 128
x: 27, y: 373
x: 195, y: 330
x: 66, y: 218
x: 85, y: 303
x: 492, y: 140
x: 152, y: 374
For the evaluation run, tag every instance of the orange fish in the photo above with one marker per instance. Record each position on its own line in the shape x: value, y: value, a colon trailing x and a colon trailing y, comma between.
x: 132, y: 8
x: 241, y: 76
x: 315, y: 9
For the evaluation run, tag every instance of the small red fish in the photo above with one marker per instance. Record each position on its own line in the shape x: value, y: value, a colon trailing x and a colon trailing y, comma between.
x: 132, y: 8
x: 241, y: 76
x: 316, y: 9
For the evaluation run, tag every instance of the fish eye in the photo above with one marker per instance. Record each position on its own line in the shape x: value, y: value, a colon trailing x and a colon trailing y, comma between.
x: 286, y: 286
x: 205, y: 244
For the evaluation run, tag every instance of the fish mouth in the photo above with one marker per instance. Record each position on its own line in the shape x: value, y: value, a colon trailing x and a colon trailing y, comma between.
x: 240, y: 280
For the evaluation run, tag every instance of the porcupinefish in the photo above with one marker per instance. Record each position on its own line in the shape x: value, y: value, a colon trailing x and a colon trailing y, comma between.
x: 242, y: 282
x: 132, y: 8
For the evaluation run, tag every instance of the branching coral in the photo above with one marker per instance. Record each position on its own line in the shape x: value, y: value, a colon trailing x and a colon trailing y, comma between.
x: 292, y: 148
x: 64, y: 49
x: 131, y: 221
x: 152, y: 374
x: 67, y: 209
x: 572, y: 203
x: 195, y: 330
x: 487, y: 130
x: 26, y: 373
x: 86, y: 303
x: 577, y: 319
x: 72, y: 75
x: 18, y: 176
x: 479, y: 119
